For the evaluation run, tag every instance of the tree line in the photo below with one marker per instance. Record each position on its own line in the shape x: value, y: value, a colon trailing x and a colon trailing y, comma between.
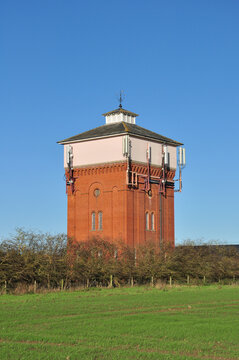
x: 52, y: 261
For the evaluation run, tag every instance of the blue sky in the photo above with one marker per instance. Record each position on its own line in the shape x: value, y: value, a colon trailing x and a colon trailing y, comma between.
x: 62, y: 64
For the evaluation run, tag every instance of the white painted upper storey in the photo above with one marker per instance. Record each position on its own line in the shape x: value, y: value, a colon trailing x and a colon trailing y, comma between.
x: 110, y: 150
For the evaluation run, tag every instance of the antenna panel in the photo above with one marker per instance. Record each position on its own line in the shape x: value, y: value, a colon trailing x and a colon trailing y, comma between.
x: 149, y: 152
x: 184, y: 157
x: 165, y: 149
x: 126, y: 145
x: 69, y: 154
x: 181, y: 157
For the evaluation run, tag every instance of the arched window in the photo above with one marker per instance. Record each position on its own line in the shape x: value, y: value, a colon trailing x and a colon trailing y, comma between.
x: 147, y: 221
x: 100, y: 220
x: 93, y: 221
x: 152, y: 221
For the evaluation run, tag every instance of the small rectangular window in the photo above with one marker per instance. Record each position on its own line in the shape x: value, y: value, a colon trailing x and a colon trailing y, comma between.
x: 147, y: 220
x: 100, y: 220
x: 93, y: 221
x: 152, y: 221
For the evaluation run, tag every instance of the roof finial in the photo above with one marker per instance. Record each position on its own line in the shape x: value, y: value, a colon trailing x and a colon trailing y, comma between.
x: 121, y: 98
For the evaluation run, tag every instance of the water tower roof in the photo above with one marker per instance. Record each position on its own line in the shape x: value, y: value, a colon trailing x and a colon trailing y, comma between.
x: 118, y: 129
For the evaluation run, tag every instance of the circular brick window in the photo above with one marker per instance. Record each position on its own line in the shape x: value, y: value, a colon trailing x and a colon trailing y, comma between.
x: 97, y: 192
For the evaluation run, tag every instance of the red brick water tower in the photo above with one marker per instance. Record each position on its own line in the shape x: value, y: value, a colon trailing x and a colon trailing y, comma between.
x: 120, y: 182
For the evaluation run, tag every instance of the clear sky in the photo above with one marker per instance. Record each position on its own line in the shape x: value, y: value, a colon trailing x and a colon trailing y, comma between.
x: 62, y: 64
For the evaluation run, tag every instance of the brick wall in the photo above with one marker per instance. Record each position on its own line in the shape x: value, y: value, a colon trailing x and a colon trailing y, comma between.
x: 123, y: 208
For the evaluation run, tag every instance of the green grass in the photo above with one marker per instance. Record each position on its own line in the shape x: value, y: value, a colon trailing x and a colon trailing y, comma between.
x: 128, y: 323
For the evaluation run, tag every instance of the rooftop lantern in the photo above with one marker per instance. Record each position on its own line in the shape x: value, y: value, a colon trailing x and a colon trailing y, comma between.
x: 119, y: 115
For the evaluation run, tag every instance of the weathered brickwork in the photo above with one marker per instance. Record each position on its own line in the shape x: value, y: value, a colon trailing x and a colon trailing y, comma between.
x: 103, y: 188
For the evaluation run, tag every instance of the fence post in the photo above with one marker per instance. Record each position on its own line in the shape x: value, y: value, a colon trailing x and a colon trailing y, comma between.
x: 87, y: 282
x: 62, y: 284
x: 204, y: 279
x: 188, y: 279
x: 111, y: 281
x: 131, y: 281
x: 170, y: 280
x: 152, y: 281
x: 5, y: 286
x: 35, y: 287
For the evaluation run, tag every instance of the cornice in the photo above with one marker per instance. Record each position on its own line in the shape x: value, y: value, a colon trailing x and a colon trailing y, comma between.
x: 139, y: 168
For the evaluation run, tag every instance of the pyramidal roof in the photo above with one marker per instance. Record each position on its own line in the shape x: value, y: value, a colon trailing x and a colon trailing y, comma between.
x: 119, y: 128
x: 120, y: 110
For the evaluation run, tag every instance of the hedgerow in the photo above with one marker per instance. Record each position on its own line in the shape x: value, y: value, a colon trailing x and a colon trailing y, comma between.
x: 53, y: 261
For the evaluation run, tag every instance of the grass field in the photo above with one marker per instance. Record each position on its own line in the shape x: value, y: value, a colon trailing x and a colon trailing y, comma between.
x: 128, y: 323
